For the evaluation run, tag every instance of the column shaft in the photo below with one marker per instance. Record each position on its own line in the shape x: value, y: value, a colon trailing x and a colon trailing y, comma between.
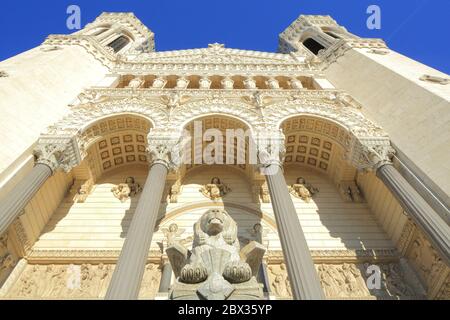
x: 127, y: 276
x: 166, y: 278
x: 437, y: 230
x: 264, y: 277
x: 303, y: 277
x: 12, y: 204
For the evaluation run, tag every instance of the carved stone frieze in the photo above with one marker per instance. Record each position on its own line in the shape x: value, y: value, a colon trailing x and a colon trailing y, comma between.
x: 75, y: 281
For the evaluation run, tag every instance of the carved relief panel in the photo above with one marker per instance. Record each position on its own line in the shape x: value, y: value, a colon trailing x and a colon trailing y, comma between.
x: 85, y: 281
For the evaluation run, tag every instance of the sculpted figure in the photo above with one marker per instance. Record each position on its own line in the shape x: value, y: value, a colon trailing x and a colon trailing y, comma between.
x: 171, y: 233
x: 215, y: 190
x: 136, y: 82
x: 215, y: 267
x: 302, y: 190
x: 123, y: 191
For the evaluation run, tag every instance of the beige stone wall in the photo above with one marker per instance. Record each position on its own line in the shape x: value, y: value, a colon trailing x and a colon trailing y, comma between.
x: 36, y: 94
x: 414, y: 113
x: 102, y: 221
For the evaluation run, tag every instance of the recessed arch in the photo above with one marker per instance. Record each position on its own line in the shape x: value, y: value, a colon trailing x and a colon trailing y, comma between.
x: 191, y: 111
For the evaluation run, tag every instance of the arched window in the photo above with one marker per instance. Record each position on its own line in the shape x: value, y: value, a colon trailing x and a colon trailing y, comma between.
x: 313, y: 45
x: 119, y: 43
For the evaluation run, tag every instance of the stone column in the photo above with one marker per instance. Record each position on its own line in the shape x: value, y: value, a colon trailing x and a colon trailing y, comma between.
x: 437, y: 230
x: 166, y: 277
x: 127, y: 277
x: 263, y: 276
x: 304, y: 280
x: 13, y: 204
x: 50, y: 157
x: 303, y: 277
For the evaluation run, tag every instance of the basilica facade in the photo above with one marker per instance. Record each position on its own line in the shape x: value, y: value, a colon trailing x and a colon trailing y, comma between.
x: 318, y: 172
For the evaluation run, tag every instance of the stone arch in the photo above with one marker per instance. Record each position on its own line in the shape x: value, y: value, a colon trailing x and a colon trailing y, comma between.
x: 191, y: 111
x: 361, y: 139
x: 84, y: 115
x: 209, y: 204
x: 347, y: 117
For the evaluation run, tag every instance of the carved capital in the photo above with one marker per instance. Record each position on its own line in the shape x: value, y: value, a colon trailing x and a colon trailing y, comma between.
x: 270, y: 147
x: 370, y: 153
x: 58, y: 152
x: 166, y: 147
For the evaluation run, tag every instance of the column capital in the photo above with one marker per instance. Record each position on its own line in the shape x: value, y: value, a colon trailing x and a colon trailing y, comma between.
x: 270, y: 148
x: 369, y: 154
x: 166, y: 146
x: 57, y: 152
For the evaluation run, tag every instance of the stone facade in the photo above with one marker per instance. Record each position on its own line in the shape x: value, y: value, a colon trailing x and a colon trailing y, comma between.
x: 126, y: 111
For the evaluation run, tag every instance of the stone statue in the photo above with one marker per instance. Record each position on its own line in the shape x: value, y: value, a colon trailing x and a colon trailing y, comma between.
x: 172, y: 233
x: 216, y: 269
x: 136, y: 83
x: 303, y: 190
x: 83, y: 189
x: 123, y: 191
x: 215, y: 190
x: 350, y: 191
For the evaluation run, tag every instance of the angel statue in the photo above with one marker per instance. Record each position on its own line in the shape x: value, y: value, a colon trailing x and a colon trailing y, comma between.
x: 172, y: 233
x: 258, y: 233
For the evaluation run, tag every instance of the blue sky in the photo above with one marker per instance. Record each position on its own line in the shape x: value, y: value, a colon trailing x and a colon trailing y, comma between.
x: 419, y: 29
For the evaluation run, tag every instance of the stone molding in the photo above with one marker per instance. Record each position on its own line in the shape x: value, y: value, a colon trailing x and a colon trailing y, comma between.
x: 272, y: 256
x: 369, y: 145
x: 338, y: 49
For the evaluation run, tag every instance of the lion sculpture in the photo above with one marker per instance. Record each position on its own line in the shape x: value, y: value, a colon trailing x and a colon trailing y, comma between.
x: 216, y: 269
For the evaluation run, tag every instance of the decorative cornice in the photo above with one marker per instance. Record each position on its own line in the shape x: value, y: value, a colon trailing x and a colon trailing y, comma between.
x: 92, y: 46
x: 340, y: 256
x: 73, y: 256
x: 338, y: 49
x: 319, y: 256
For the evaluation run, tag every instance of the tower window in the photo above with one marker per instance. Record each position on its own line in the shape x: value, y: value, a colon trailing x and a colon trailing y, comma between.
x: 332, y: 35
x: 313, y: 45
x: 119, y: 43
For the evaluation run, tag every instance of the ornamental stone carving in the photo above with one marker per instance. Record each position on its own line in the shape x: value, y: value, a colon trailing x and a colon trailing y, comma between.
x: 172, y: 234
x: 75, y: 281
x: 270, y: 147
x: 215, y: 190
x: 57, y: 152
x: 279, y: 281
x: 166, y: 147
x: 303, y: 190
x: 81, y: 190
x: 350, y: 191
x: 7, y: 259
x: 370, y: 154
x: 136, y: 83
x: 216, y: 269
x: 435, y: 79
x: 124, y: 191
